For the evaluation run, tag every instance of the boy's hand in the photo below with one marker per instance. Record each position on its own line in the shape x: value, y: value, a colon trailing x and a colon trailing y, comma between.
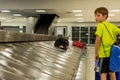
x: 96, y: 56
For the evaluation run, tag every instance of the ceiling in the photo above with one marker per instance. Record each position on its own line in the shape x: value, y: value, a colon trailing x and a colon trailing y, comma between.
x: 63, y: 8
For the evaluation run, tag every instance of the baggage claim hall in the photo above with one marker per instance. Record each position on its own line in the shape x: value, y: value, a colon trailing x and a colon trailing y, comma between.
x: 29, y: 29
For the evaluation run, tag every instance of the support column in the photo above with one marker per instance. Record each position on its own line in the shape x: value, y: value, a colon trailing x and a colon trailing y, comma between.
x: 31, y: 21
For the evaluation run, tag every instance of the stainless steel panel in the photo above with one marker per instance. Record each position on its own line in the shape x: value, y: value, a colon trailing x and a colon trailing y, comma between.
x: 7, y: 36
x: 37, y: 61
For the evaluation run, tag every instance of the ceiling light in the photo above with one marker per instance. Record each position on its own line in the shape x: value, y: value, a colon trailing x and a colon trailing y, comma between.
x: 79, y: 18
x: 58, y: 21
x: 5, y: 10
x: 17, y: 15
x: 21, y: 31
x: 2, y: 18
x: 40, y: 11
x: 111, y: 14
x: 114, y: 10
x: 76, y: 10
x: 78, y: 15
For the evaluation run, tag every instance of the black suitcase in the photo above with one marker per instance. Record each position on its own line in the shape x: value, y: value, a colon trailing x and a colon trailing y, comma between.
x: 61, y: 43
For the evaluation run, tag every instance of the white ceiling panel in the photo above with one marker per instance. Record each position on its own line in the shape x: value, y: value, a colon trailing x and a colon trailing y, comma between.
x: 63, y: 8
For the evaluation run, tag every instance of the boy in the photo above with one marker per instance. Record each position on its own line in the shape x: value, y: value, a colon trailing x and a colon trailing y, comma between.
x: 104, y: 41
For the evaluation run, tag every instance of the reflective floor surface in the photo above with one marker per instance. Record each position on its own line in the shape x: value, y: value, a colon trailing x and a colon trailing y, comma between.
x: 38, y: 61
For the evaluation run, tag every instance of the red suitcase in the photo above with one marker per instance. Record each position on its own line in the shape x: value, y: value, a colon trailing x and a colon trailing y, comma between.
x: 78, y: 44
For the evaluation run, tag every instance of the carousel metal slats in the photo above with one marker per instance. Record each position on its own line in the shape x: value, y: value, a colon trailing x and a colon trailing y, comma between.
x: 37, y: 61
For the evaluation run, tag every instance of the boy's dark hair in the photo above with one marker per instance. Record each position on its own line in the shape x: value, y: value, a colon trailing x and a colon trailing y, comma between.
x: 102, y: 10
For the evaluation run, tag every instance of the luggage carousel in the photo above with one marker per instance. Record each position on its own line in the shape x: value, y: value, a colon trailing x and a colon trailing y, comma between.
x: 37, y: 61
x: 34, y: 57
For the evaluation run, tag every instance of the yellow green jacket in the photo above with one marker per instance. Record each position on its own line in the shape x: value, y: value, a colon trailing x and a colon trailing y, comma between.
x: 106, y: 38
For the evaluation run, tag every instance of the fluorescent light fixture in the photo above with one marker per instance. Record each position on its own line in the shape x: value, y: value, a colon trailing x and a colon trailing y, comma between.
x: 78, y: 15
x: 79, y: 18
x: 114, y: 10
x: 76, y: 10
x: 21, y: 31
x: 2, y: 18
x: 40, y: 11
x: 17, y: 15
x: 111, y: 14
x: 5, y: 10
x: 58, y: 21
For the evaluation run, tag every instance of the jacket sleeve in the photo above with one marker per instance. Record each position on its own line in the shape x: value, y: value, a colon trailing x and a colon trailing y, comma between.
x: 99, y: 30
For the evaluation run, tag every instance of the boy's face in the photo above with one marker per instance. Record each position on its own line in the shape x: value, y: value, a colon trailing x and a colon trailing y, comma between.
x: 100, y: 17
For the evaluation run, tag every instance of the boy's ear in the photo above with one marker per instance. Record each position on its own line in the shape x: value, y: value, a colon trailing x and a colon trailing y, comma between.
x: 105, y: 16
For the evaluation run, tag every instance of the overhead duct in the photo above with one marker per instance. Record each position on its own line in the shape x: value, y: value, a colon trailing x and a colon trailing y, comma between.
x: 45, y: 24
